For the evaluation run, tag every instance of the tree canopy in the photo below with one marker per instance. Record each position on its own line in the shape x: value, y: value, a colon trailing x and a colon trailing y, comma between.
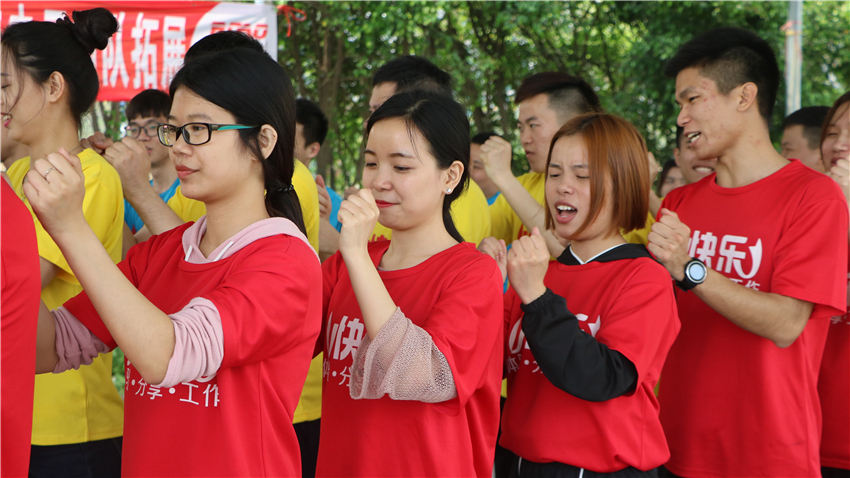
x: 489, y: 47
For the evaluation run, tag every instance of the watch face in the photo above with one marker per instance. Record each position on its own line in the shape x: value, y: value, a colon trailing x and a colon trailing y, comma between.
x: 696, y: 272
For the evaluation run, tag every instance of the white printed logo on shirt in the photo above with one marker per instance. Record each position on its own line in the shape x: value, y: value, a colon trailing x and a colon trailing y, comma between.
x: 728, y: 255
x: 517, y: 343
x: 341, y: 342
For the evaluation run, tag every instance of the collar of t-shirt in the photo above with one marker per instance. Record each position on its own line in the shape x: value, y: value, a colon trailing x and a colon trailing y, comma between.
x: 258, y: 230
x: 616, y: 253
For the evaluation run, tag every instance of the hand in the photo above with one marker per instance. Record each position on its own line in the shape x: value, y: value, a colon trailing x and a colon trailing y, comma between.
x: 840, y: 172
x: 349, y: 191
x: 56, y: 188
x: 654, y: 167
x: 98, y: 142
x: 358, y: 215
x: 498, y: 251
x: 133, y: 164
x: 325, y: 204
x: 496, y: 156
x: 528, y: 261
x: 668, y: 242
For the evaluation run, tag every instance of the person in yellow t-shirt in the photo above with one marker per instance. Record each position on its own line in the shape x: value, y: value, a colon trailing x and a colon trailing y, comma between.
x: 48, y: 82
x: 546, y: 101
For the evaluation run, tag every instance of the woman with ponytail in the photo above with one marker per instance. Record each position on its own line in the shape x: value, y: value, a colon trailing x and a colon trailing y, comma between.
x: 49, y: 82
x: 217, y: 319
x: 412, y: 327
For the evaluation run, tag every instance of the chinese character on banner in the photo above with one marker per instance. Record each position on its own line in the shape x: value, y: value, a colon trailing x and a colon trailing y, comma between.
x: 143, y: 56
x: 173, y: 47
x: 112, y: 64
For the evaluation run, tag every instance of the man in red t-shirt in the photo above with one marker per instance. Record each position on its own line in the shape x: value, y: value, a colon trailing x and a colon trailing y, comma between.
x: 761, y: 245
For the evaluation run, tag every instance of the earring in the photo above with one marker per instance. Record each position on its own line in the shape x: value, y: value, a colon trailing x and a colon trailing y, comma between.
x: 448, y: 190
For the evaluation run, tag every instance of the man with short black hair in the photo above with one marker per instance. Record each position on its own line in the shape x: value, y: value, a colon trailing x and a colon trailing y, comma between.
x: 546, y: 102
x: 145, y: 112
x: 407, y: 73
x: 801, y: 136
x: 762, y: 248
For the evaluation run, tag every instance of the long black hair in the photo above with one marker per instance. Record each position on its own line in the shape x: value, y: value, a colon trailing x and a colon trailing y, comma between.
x: 444, y: 125
x: 40, y: 48
x: 256, y: 91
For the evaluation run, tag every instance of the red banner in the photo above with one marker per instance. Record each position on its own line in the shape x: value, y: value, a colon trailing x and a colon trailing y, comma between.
x: 153, y: 36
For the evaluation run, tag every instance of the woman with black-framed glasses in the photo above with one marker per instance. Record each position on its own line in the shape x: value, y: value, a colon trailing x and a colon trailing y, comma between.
x: 217, y: 319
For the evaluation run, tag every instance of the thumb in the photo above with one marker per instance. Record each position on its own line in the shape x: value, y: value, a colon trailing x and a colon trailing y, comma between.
x: 668, y: 212
x: 320, y: 180
x: 535, y: 231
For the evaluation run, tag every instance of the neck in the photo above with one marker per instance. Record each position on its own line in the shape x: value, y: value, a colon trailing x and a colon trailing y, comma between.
x: 228, y: 216
x: 489, y: 188
x: 58, y: 137
x: 585, y: 249
x: 414, y: 246
x: 751, y: 159
x: 163, y: 175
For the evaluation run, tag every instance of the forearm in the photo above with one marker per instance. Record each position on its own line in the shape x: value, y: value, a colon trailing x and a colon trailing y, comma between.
x: 777, y: 318
x: 46, y: 357
x: 375, y: 302
x: 654, y: 203
x: 572, y: 360
x: 156, y: 215
x: 142, y: 331
x: 328, y: 240
x: 530, y: 212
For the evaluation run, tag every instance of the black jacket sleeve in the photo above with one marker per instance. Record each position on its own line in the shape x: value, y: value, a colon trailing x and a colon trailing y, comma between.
x: 572, y: 359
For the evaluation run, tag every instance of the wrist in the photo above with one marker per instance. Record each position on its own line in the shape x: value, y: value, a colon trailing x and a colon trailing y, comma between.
x: 531, y: 293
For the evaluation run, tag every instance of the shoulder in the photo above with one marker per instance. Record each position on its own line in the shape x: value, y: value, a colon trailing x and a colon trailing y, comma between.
x: 17, y: 171
x: 676, y: 196
x: 466, y: 259
x: 95, y: 165
x: 281, y: 254
x: 303, y: 181
x: 811, y: 185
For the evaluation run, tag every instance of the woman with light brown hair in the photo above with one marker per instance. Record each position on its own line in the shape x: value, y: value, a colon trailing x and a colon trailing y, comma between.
x: 587, y: 334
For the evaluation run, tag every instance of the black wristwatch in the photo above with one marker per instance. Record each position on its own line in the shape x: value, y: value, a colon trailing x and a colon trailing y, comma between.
x: 695, y: 273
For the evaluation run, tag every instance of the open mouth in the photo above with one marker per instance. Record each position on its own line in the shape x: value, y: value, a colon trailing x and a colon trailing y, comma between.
x: 693, y: 137
x: 6, y: 118
x: 565, y: 213
x: 704, y: 170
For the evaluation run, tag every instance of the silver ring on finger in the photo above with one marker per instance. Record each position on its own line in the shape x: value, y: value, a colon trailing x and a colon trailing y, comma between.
x: 47, y: 172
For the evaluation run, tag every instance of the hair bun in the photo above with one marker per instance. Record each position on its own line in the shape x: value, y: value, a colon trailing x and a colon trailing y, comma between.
x: 92, y: 28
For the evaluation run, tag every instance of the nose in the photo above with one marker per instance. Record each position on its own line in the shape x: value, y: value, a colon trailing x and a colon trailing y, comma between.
x: 525, y: 136
x: 379, y: 178
x: 684, y: 117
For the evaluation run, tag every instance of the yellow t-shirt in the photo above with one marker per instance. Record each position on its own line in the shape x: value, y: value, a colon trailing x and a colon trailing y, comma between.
x: 78, y: 405
x: 639, y: 236
x: 469, y: 213
x: 505, y: 222
x: 191, y: 210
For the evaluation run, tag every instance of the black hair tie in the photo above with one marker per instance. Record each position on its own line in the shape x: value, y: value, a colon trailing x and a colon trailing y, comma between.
x: 284, y: 190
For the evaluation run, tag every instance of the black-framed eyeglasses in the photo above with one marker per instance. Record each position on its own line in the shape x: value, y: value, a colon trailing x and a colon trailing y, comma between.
x: 193, y: 133
x: 133, y: 130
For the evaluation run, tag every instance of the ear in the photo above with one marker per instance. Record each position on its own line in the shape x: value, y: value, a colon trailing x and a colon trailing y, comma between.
x: 55, y: 87
x: 676, y: 156
x: 452, y: 175
x: 267, y: 140
x: 313, y: 150
x: 747, y: 96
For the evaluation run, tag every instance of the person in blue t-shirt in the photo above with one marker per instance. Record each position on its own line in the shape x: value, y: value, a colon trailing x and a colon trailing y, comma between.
x: 145, y: 112
x: 476, y: 167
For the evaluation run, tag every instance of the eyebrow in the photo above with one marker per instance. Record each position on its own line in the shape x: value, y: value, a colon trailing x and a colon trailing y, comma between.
x: 556, y: 166
x: 686, y: 92
x: 580, y: 166
x: 397, y: 154
x: 530, y: 118
x: 198, y: 116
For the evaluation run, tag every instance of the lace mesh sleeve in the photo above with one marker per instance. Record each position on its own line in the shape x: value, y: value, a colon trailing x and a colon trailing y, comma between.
x: 402, y: 362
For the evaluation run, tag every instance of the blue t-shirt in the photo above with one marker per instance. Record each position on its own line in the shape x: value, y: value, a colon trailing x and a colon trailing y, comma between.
x: 492, y: 199
x: 336, y: 200
x: 131, y: 217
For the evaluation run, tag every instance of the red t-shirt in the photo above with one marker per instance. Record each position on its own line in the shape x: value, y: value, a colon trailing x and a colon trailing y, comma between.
x: 626, y: 304
x: 732, y: 402
x: 20, y: 282
x: 456, y: 297
x: 238, y: 423
x: 834, y: 392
